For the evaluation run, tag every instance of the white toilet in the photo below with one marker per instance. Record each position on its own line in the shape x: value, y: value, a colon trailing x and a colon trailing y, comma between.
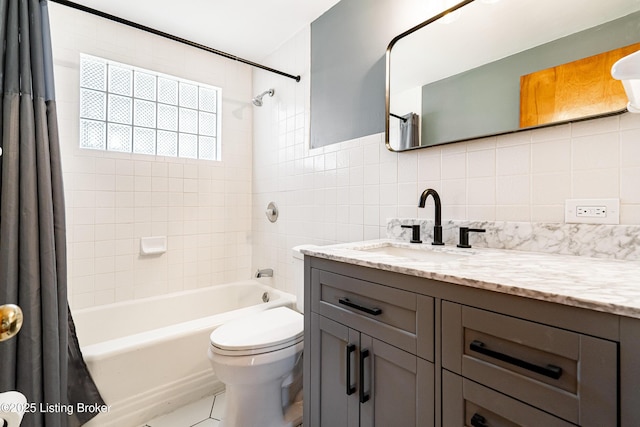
x: 252, y: 356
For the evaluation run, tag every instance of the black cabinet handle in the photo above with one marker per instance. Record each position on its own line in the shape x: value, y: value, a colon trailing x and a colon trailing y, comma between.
x: 363, y: 396
x: 550, y: 371
x: 373, y: 311
x: 478, y: 421
x: 350, y: 389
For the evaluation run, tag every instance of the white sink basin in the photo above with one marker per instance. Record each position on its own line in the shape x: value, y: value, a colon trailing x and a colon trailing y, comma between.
x: 424, y: 254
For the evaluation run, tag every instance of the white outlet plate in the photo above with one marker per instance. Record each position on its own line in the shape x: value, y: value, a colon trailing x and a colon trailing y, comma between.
x: 592, y: 211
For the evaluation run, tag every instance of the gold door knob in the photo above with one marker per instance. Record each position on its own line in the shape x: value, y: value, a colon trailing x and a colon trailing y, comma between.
x: 10, y: 321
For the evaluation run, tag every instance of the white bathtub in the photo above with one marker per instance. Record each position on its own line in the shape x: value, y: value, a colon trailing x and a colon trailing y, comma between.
x: 149, y: 356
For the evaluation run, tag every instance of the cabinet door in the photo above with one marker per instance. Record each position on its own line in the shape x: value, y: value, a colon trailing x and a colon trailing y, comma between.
x: 333, y: 405
x: 466, y: 403
x: 399, y: 386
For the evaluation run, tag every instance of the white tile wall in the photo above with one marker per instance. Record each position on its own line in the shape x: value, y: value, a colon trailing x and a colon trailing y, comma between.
x: 115, y: 199
x: 346, y: 191
x: 213, y: 213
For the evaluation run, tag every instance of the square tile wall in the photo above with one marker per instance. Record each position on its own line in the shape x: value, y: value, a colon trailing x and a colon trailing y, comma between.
x: 213, y: 213
x: 114, y: 199
x: 345, y: 192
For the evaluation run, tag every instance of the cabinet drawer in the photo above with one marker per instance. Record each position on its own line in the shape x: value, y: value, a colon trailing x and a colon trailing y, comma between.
x: 469, y: 404
x: 400, y: 318
x: 569, y: 375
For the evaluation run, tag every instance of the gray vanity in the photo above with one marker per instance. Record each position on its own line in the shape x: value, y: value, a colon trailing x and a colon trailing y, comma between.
x: 413, y: 335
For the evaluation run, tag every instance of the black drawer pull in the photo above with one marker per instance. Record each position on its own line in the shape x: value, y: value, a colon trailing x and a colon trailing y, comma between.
x: 363, y: 396
x: 350, y: 389
x: 478, y: 421
x: 374, y: 311
x: 550, y: 371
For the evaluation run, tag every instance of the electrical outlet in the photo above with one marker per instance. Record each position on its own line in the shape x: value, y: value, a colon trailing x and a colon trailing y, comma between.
x: 592, y: 211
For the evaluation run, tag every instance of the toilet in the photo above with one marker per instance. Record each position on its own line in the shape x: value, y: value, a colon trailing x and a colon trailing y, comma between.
x: 254, y: 355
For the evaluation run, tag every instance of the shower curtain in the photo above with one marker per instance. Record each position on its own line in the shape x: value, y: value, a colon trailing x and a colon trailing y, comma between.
x: 43, y: 361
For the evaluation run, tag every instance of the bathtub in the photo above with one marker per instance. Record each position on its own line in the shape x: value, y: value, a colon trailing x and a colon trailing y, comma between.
x: 149, y: 356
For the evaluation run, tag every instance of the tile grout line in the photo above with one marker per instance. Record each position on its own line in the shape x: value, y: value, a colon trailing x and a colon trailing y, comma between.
x: 213, y: 404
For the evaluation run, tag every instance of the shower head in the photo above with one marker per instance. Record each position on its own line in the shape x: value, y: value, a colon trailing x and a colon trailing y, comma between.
x: 257, y: 101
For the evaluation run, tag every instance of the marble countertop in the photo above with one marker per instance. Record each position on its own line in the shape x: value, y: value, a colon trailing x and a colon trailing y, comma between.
x: 611, y: 286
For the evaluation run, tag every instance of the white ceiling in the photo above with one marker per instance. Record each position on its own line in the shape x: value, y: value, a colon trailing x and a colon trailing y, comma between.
x: 250, y: 29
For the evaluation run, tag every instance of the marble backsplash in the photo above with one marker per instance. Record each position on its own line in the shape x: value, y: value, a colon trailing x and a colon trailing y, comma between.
x: 599, y: 241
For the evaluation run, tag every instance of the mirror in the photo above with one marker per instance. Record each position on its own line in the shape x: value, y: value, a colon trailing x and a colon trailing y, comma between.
x: 467, y: 72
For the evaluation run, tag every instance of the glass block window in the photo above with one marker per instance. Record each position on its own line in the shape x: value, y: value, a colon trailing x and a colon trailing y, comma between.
x: 132, y: 110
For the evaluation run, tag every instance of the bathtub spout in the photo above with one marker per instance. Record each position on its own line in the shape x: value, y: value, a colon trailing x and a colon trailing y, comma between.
x: 264, y: 272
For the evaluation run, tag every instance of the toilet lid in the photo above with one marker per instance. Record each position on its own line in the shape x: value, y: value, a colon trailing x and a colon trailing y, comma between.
x: 261, y: 331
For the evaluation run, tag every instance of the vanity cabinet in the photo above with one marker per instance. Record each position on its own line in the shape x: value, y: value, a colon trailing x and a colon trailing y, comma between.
x: 467, y: 403
x: 386, y: 349
x: 363, y: 354
x: 569, y: 375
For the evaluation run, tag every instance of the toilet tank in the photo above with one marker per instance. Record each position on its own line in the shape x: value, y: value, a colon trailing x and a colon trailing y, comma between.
x: 298, y: 275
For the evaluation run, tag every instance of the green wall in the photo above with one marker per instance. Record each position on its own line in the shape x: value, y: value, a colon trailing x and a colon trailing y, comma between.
x: 486, y: 100
x: 348, y: 46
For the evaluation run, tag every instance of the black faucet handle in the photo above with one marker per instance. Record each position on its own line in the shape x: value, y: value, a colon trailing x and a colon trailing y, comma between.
x: 476, y: 230
x: 464, y: 235
x: 415, y: 232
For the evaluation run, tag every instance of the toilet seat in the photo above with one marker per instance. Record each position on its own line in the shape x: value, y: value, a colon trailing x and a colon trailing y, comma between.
x: 263, y: 332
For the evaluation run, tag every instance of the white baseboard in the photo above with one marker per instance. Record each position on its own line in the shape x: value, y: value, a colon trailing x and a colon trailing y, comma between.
x: 136, y: 410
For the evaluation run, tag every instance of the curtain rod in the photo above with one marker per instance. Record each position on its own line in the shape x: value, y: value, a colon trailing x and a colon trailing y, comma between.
x: 171, y: 37
x: 398, y: 117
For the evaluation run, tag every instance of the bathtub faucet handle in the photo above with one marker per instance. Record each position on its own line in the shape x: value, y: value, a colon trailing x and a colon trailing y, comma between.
x: 264, y: 272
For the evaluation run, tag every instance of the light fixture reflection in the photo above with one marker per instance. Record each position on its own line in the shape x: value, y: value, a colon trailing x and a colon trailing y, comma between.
x: 450, y: 17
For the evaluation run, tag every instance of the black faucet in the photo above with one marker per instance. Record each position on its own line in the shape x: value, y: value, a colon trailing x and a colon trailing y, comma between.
x: 464, y: 235
x: 437, y: 229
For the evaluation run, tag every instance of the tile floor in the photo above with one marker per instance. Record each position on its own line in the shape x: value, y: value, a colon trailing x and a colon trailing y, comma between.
x: 206, y: 412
